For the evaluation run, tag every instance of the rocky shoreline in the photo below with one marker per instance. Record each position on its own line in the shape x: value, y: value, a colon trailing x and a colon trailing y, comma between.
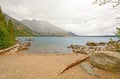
x: 104, y: 55
x: 91, y: 47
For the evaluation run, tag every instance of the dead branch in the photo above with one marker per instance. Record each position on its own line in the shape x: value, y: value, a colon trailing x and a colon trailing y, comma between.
x: 74, y: 63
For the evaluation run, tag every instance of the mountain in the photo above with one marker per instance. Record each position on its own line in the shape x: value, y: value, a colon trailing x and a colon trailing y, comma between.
x: 20, y: 29
x: 71, y: 33
x: 44, y: 28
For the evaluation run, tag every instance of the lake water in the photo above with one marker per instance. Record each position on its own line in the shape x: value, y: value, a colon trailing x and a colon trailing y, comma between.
x: 59, y: 44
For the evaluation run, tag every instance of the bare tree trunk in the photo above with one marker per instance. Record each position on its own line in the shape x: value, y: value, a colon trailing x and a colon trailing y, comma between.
x: 74, y: 63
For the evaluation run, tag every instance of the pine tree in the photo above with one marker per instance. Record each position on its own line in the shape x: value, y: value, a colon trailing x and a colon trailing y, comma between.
x: 0, y: 10
x: 7, y: 37
x: 4, y: 39
x: 118, y: 32
x: 10, y: 29
x: 2, y: 17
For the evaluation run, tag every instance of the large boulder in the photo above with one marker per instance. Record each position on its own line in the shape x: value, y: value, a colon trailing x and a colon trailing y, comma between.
x: 101, y: 43
x: 89, y: 43
x: 106, y: 60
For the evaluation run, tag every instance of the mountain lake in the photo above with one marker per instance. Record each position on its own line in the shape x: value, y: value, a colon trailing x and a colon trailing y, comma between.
x: 59, y: 44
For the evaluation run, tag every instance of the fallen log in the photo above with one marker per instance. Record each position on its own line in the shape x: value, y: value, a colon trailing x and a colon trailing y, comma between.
x: 75, y: 63
x: 8, y: 49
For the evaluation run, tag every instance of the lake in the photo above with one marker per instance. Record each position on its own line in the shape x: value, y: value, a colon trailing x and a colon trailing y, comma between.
x: 59, y: 44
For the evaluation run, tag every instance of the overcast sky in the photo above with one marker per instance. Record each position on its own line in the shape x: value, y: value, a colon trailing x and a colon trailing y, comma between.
x: 79, y: 16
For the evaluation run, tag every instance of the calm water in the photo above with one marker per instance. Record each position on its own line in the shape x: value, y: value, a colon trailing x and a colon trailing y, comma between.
x: 59, y: 44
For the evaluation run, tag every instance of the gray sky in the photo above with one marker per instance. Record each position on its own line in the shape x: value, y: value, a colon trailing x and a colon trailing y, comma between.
x: 79, y: 16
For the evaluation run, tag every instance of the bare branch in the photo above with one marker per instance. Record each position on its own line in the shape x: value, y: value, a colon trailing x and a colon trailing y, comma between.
x: 102, y: 2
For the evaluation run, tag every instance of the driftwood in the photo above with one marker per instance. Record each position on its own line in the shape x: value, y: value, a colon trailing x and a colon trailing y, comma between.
x: 8, y: 49
x: 74, y: 63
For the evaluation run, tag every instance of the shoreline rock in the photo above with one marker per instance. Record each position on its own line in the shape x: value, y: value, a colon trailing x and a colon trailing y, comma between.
x: 91, y: 47
x: 90, y: 43
x: 106, y: 60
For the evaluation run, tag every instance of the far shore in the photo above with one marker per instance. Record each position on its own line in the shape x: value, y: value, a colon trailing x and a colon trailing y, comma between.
x: 46, y: 66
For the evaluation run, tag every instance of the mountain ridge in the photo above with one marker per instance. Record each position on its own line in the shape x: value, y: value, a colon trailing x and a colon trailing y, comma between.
x: 44, y: 28
x: 20, y: 29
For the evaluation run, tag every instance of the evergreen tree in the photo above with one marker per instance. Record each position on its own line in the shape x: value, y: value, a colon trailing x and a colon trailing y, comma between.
x: 4, y: 39
x: 10, y: 29
x: 7, y: 37
x: 0, y: 10
x: 118, y: 32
